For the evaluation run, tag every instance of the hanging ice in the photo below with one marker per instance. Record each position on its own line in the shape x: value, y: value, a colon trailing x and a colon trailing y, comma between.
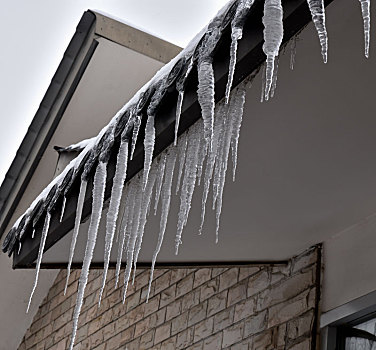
x: 236, y: 34
x: 183, y: 141
x: 96, y: 214
x: 63, y: 209
x: 366, y: 14
x: 161, y: 170
x: 126, y: 225
x: 218, y: 131
x: 293, y: 52
x: 136, y: 129
x: 273, y: 34
x: 149, y: 141
x: 318, y: 17
x: 146, y: 199
x: 189, y: 180
x: 263, y: 83
x: 46, y: 226
x: 77, y: 221
x: 275, y: 77
x: 113, y: 209
x: 133, y: 235
x: 180, y: 85
x: 166, y: 199
x: 201, y: 158
x: 237, y: 116
x: 205, y: 94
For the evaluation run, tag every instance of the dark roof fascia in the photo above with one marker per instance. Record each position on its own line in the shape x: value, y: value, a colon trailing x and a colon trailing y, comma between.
x: 47, y: 117
x: 250, y: 58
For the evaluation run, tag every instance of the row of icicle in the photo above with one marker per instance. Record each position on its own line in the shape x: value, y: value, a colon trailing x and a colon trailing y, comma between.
x: 211, y: 139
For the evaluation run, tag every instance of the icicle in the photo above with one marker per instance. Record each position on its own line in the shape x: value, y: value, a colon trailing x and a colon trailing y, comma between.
x: 33, y: 234
x: 161, y: 170
x: 218, y: 131
x: 46, y: 226
x: 275, y: 77
x: 241, y: 13
x: 235, y: 36
x: 273, y: 34
x: 179, y: 106
x: 77, y: 221
x: 293, y: 52
x: 182, y: 154
x: 133, y: 236
x: 180, y: 85
x: 201, y: 158
x: 146, y: 199
x: 96, y: 214
x: 166, y: 199
x: 63, y: 209
x: 149, y: 141
x: 126, y: 225
x: 189, y: 180
x: 318, y: 17
x: 136, y: 129
x: 263, y: 82
x: 237, y: 117
x: 366, y: 14
x: 205, y: 93
x: 113, y: 210
x: 19, y: 248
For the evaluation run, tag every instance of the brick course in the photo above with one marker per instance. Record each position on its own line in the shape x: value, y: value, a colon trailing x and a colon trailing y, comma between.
x: 252, y: 307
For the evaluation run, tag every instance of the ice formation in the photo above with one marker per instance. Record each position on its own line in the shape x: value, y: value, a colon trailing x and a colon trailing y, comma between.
x: 366, y: 14
x: 63, y: 208
x: 113, y: 210
x: 318, y: 17
x: 273, y: 34
x: 201, y: 152
x: 97, y: 206
x: 293, y: 52
x: 40, y: 254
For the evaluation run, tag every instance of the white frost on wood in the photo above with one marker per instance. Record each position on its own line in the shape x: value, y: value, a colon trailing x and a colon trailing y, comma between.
x: 318, y: 17
x: 273, y: 34
x: 96, y: 214
x: 63, y: 208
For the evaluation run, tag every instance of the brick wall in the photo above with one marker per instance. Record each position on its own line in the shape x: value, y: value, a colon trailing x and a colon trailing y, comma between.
x: 255, y: 307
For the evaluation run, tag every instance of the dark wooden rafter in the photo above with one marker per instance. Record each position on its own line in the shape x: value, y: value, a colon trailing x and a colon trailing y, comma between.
x: 250, y: 58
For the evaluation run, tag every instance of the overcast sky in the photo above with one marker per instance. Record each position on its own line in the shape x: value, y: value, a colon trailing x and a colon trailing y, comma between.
x: 35, y: 34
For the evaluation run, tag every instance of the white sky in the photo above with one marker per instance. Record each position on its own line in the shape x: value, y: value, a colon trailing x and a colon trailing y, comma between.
x: 36, y: 33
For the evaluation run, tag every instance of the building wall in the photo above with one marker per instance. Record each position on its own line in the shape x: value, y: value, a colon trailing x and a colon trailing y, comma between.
x: 251, y: 307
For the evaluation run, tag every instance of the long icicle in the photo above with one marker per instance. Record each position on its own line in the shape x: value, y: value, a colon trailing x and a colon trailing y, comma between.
x: 273, y: 34
x: 149, y: 141
x: 183, y: 141
x: 166, y: 200
x: 136, y: 129
x: 205, y: 94
x: 160, y: 175
x: 113, y: 209
x: 210, y: 163
x: 96, y: 214
x: 133, y: 236
x: 366, y: 14
x: 40, y: 254
x: 318, y: 17
x: 77, y: 221
x: 63, y: 209
x: 146, y: 199
x: 125, y: 226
